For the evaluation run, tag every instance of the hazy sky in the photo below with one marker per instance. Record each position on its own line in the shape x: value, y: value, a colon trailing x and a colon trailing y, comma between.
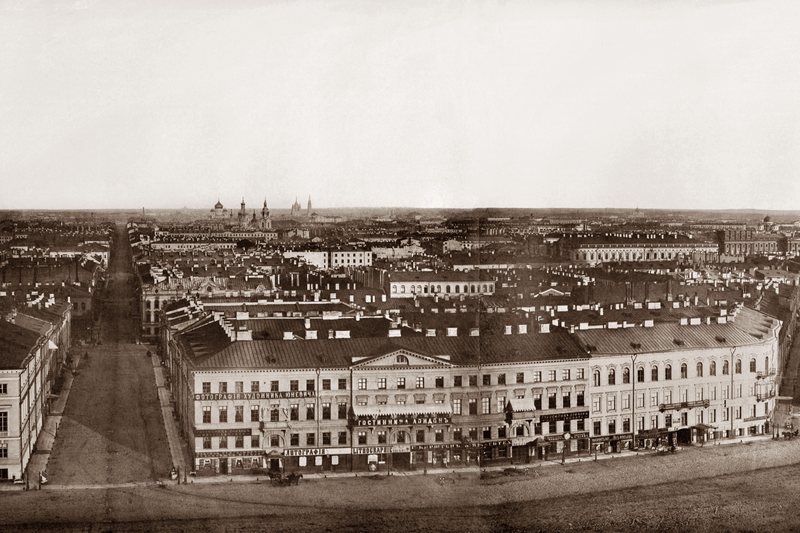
x: 171, y: 103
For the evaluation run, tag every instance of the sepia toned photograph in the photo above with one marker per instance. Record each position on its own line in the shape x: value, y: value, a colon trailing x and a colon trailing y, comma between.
x: 399, y: 265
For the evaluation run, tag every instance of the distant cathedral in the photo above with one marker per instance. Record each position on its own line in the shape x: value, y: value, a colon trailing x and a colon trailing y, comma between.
x: 224, y: 217
x: 297, y: 209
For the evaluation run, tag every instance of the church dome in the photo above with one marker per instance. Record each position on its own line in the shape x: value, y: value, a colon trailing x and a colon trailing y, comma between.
x: 218, y: 205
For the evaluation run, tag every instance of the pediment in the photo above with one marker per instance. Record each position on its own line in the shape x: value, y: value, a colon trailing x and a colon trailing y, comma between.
x: 400, y: 358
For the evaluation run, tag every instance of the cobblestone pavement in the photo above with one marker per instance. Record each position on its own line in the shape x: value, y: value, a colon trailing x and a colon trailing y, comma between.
x: 743, y: 487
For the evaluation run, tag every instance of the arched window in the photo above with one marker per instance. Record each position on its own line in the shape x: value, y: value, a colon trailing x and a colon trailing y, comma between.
x: 626, y: 375
x: 612, y: 377
x: 394, y: 289
x: 466, y: 289
x: 684, y: 371
x: 738, y: 366
x: 725, y: 368
x: 596, y: 378
x: 473, y: 288
x: 654, y: 373
x: 668, y: 372
x: 425, y: 289
x: 457, y: 288
x: 699, y: 370
x: 402, y: 289
x: 640, y: 374
x: 752, y: 365
x: 401, y: 359
x: 712, y: 369
x: 447, y: 289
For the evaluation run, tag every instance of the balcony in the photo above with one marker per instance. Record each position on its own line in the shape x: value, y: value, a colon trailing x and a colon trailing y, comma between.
x: 766, y: 395
x: 683, y: 405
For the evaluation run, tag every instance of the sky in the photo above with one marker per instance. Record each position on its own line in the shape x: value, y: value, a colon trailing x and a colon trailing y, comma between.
x: 689, y: 104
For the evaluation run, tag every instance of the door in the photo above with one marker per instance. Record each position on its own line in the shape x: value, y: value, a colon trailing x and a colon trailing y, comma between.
x: 223, y: 466
x: 275, y: 465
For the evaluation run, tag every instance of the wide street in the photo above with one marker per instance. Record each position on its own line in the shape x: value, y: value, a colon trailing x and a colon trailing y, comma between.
x: 112, y: 430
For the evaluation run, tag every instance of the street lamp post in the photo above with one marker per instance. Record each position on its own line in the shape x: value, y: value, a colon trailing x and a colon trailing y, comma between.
x: 567, y: 436
x: 633, y: 398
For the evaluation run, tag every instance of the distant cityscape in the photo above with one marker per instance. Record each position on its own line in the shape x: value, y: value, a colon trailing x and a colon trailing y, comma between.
x: 314, y: 344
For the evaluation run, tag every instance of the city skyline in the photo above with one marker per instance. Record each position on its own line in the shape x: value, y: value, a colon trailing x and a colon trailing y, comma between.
x: 579, y: 104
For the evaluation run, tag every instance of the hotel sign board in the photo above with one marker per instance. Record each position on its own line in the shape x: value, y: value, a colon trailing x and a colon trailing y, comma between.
x: 402, y: 420
x: 274, y: 395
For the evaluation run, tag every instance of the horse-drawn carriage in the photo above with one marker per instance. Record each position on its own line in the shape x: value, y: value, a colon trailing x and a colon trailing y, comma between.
x: 278, y: 478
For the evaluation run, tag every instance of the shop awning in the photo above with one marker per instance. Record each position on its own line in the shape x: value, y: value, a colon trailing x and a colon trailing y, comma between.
x: 703, y: 427
x: 518, y: 405
x: 413, y: 409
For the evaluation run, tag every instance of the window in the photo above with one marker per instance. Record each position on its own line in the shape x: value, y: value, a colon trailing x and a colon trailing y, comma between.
x: 309, y: 384
x: 612, y: 427
x: 487, y: 379
x: 640, y: 400
x: 725, y: 368
x: 611, y: 403
x: 206, y: 388
x: 223, y: 414
x: 420, y: 382
x: 456, y: 382
x: 485, y: 407
x: 537, y: 400
x: 254, y: 413
x: 274, y: 414
x: 326, y: 411
x: 223, y: 387
x: 473, y: 406
x: 362, y: 437
x: 326, y: 438
x: 565, y: 374
x: 326, y: 384
x: 457, y: 406
x: 254, y: 386
x: 738, y: 366
x: 487, y: 432
x: 401, y: 383
x: 501, y: 379
x: 273, y: 386
x: 381, y: 383
x: 520, y: 377
x: 684, y: 371
x: 473, y: 381
x: 595, y: 404
x: 342, y: 411
x: 537, y: 377
x: 238, y: 387
x: 238, y: 413
x: 206, y: 443
x: 294, y: 412
x: 381, y: 437
x: 668, y: 372
x: 612, y: 377
x: 626, y: 375
x: 342, y: 384
x: 668, y: 420
x: 420, y: 435
x: 501, y: 403
x: 551, y: 400
x: 699, y: 370
x: 206, y: 415
x: 565, y: 399
x: 596, y: 427
x: 640, y: 374
x: 293, y: 385
x: 654, y: 399
x: 223, y: 442
x: 579, y: 373
x: 362, y: 383
x: 712, y: 368
x: 579, y: 399
x: 274, y: 441
x: 438, y: 435
x: 654, y: 373
x: 294, y: 439
x: 239, y: 441
x: 596, y: 378
x: 551, y: 375
x: 401, y: 437
x: 342, y: 437
x: 439, y: 382
x: 626, y: 425
x: 310, y: 412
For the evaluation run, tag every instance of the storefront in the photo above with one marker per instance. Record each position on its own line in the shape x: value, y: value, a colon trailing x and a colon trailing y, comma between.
x: 233, y: 462
x: 612, y: 443
x: 651, y: 438
x: 495, y: 452
x: 523, y: 449
x: 317, y: 459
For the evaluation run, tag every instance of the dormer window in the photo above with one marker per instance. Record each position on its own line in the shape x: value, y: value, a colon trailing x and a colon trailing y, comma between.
x: 401, y: 360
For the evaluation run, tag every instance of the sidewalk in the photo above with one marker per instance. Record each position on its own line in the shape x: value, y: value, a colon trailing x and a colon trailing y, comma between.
x: 180, y: 458
x: 555, y: 461
x: 44, y: 444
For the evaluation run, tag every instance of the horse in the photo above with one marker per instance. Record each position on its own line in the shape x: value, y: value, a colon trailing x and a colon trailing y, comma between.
x: 294, y: 479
